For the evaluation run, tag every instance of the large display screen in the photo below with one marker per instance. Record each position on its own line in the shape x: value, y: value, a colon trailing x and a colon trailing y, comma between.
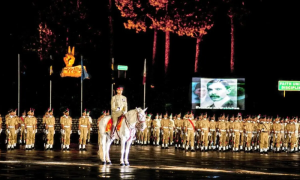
x: 221, y: 93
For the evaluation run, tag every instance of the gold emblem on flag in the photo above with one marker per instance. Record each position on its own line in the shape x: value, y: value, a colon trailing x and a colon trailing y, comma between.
x: 69, y: 70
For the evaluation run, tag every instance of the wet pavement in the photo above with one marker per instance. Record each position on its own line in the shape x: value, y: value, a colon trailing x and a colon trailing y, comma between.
x: 147, y: 162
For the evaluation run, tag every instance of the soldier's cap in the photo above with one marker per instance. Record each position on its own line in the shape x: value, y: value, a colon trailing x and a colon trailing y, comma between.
x: 107, y: 112
x: 103, y: 112
x: 120, y: 88
x: 171, y: 116
x: 11, y: 110
x: 50, y: 110
x: 156, y: 115
x: 67, y: 110
x: 88, y: 113
x: 149, y: 115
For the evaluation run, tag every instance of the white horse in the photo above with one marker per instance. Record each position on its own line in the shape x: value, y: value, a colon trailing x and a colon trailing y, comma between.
x: 134, y: 119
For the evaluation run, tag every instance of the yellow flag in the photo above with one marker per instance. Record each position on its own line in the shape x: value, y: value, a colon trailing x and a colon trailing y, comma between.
x: 51, y: 70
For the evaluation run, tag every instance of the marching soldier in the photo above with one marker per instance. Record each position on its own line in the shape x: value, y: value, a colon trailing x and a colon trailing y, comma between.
x: 248, y: 134
x: 50, y: 129
x: 66, y: 129
x: 236, y: 134
x: 35, y: 126
x: 178, y: 127
x: 255, y: 133
x: 11, y: 125
x: 190, y: 132
x: 156, y: 130
x: 83, y: 126
x: 89, y: 129
x: 118, y: 107
x: 29, y: 130
x: 198, y: 131
x: 61, y: 121
x: 230, y: 129
x: 22, y: 130
x: 147, y: 131
x: 212, y: 130
x: 103, y: 114
x: 205, y: 132
x: 277, y: 134
x: 291, y: 134
x: 165, y: 131
x: 241, y: 131
x: 171, y: 128
x: 223, y: 133
x: 264, y: 133
x: 184, y: 134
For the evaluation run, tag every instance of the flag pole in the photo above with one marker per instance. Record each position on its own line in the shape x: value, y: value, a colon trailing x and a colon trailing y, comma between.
x: 18, y: 84
x: 144, y: 82
x: 81, y: 85
x: 144, y: 95
x: 50, y: 85
x: 112, y: 84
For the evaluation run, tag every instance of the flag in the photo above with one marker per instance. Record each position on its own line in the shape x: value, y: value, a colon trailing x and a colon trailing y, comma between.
x: 144, y: 78
x: 112, y: 64
x: 84, y: 74
x: 51, y: 70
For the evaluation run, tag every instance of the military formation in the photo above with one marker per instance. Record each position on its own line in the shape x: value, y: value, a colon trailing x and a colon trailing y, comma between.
x: 203, y: 133
x: 224, y: 133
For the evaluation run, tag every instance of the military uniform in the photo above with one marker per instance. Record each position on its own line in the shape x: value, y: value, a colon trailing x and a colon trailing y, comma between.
x: 0, y: 124
x: 230, y: 129
x: 291, y: 134
x: 35, y: 127
x: 29, y: 130
x: 248, y: 134
x: 83, y: 126
x: 236, y: 134
x: 205, y: 132
x: 277, y: 128
x: 89, y: 129
x: 22, y: 129
x: 198, y: 132
x: 11, y: 125
x: 178, y: 127
x: 165, y: 131
x: 184, y: 138
x: 147, y: 131
x: 67, y: 129
x: 213, y: 132
x: 171, y: 128
x: 156, y: 130
x: 190, y: 132
x: 264, y: 136
x: 118, y: 106
x: 223, y: 133
x: 50, y: 131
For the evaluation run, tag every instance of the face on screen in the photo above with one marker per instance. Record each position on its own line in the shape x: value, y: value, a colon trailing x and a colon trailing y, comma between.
x: 200, y: 92
x: 217, y: 91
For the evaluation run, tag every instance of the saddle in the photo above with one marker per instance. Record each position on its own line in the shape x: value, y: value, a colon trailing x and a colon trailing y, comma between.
x: 110, y: 124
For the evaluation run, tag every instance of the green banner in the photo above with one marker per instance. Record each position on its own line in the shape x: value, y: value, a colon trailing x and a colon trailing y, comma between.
x: 122, y: 68
x: 288, y: 85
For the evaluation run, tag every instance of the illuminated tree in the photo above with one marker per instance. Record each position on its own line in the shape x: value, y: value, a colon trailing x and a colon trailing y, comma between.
x: 195, y: 20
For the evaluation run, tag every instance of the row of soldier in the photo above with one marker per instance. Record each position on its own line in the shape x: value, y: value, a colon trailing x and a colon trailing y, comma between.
x: 234, y: 133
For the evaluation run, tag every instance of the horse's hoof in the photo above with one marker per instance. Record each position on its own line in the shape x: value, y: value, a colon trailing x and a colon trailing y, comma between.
x: 127, y: 164
x: 121, y: 164
x: 103, y: 163
x: 109, y: 163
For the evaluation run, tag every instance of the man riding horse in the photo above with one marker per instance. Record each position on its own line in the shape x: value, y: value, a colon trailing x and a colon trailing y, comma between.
x: 118, y: 107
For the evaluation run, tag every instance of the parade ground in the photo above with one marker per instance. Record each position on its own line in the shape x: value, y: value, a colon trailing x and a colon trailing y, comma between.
x: 147, y: 162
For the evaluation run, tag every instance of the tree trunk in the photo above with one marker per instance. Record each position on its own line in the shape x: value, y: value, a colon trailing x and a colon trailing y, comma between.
x: 197, y: 54
x: 167, y: 50
x: 154, y: 47
x: 232, y: 44
x: 110, y: 19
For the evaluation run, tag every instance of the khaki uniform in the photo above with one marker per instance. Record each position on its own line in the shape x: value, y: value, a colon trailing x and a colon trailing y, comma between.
x: 50, y: 126
x: 269, y: 132
x: 35, y: 128
x: 166, y: 131
x: 11, y: 123
x: 236, y: 130
x: 89, y: 129
x: 222, y: 128
x: 67, y: 127
x: 171, y: 128
x: 118, y: 106
x: 242, y: 133
x: 147, y: 131
x: 178, y: 126
x: 29, y: 126
x: 263, y: 143
x: 297, y: 133
x: 0, y: 124
x: 22, y: 125
x: 198, y: 132
x: 185, y: 121
x: 190, y: 125
x: 277, y: 128
x: 230, y: 131
x: 212, y: 130
x: 156, y: 130
x: 291, y: 134
x: 205, y: 128
x: 249, y: 133
x: 83, y: 126
x: 255, y: 133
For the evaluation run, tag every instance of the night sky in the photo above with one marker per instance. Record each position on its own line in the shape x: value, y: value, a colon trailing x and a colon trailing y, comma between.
x: 266, y: 50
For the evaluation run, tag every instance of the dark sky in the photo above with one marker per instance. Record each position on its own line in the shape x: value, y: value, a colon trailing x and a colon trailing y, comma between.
x: 266, y: 51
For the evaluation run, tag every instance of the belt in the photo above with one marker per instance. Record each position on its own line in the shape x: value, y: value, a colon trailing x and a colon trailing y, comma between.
x: 212, y: 130
x: 248, y: 132
x: 166, y: 127
x: 204, y: 128
x: 22, y: 124
x: 282, y: 131
x: 66, y: 126
x: 190, y: 128
x: 149, y: 126
x: 223, y: 130
x: 277, y: 131
x: 11, y: 126
x: 156, y: 128
x: 170, y: 128
x: 83, y: 125
x: 236, y: 130
x: 178, y: 128
x: 264, y: 131
x: 50, y: 126
x: 292, y: 132
x: 28, y: 126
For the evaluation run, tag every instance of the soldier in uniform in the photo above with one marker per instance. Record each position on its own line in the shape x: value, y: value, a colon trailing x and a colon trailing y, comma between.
x: 89, y: 129
x: 212, y: 130
x: 241, y: 131
x: 11, y: 125
x: 165, y: 131
x: 205, y: 132
x: 156, y: 130
x: 198, y: 132
x: 147, y: 131
x: 29, y: 130
x: 291, y: 134
x: 118, y: 107
x: 248, y: 134
x: 190, y: 132
x: 223, y: 133
x: 50, y: 129
x: 277, y: 134
x: 103, y: 114
x: 264, y: 133
x: 236, y: 134
x: 171, y: 128
x: 230, y: 129
x: 66, y: 129
x: 61, y: 121
x: 22, y: 126
x: 255, y: 134
x: 0, y: 124
x: 83, y: 126
x: 184, y: 134
x: 178, y: 127
x: 35, y: 127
